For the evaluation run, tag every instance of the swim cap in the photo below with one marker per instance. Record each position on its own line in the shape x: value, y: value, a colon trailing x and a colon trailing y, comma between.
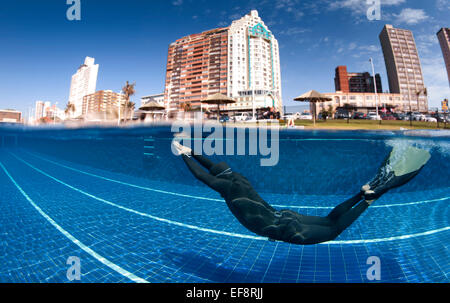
x: 219, y: 168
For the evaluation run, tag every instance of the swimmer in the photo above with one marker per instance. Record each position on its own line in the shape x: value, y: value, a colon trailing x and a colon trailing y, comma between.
x: 289, y: 226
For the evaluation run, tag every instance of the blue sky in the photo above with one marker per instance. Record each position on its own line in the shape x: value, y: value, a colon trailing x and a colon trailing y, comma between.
x: 40, y: 49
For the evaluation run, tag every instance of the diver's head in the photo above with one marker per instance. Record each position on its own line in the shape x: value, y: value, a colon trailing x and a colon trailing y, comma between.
x: 220, y: 169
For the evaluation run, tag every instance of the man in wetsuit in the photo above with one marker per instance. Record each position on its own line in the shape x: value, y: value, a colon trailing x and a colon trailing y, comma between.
x: 289, y: 226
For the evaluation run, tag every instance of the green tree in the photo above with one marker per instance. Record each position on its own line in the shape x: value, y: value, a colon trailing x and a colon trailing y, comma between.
x: 128, y: 90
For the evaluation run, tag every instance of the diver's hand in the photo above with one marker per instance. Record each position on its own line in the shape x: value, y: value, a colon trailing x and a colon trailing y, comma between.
x: 179, y: 149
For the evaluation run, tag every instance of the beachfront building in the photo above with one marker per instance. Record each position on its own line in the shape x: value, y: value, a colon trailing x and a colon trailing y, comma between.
x: 444, y: 41
x: 241, y: 61
x: 362, y: 102
x: 83, y: 83
x: 356, y: 82
x: 196, y: 68
x: 158, y: 98
x: 39, y: 110
x: 10, y: 116
x: 403, y: 68
x: 254, y: 74
x: 103, y: 104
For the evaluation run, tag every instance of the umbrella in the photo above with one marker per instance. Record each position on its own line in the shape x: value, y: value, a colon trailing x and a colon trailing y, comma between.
x: 152, y: 105
x: 313, y: 97
x: 218, y: 99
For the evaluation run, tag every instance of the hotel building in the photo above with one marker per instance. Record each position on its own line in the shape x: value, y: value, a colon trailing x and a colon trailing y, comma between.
x: 240, y: 61
x: 10, y: 116
x: 444, y: 40
x: 158, y: 98
x: 102, y: 101
x: 356, y: 82
x: 362, y: 102
x: 83, y: 83
x: 403, y: 68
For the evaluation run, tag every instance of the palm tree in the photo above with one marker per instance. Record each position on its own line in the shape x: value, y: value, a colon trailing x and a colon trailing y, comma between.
x: 131, y: 106
x: 70, y: 109
x: 128, y: 90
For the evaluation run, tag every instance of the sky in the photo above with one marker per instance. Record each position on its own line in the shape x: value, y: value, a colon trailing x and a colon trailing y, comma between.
x: 40, y: 49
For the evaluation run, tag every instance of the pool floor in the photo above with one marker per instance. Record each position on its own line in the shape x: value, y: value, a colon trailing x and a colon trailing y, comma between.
x: 131, y: 229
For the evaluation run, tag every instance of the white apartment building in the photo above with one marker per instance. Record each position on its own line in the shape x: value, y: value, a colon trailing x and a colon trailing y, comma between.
x: 254, y: 76
x: 83, y: 83
x: 158, y: 98
x: 39, y: 110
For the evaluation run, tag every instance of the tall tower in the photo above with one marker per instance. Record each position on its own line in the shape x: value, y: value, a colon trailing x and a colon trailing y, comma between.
x: 196, y: 68
x: 444, y: 40
x: 241, y: 61
x: 254, y: 64
x: 403, y: 67
x: 83, y: 83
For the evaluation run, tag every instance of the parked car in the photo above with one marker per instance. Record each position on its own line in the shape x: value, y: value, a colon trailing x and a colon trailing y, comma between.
x: 440, y: 117
x: 291, y: 116
x: 358, y: 115
x: 242, y: 117
x: 399, y: 116
x: 342, y: 115
x: 388, y: 116
x: 418, y: 116
x: 305, y: 116
x: 373, y: 116
x: 429, y: 118
x: 224, y: 119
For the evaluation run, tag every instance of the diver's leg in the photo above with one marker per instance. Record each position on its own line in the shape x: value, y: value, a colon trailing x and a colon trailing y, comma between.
x: 346, y: 219
x: 345, y: 206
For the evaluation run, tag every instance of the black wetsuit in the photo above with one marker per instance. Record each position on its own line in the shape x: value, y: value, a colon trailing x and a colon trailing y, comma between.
x: 261, y: 218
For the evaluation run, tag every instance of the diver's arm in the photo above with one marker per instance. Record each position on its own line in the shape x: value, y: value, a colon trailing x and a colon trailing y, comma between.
x: 215, y: 183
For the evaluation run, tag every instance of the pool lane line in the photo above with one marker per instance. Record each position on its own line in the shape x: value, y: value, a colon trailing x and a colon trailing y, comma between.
x: 74, y: 240
x: 219, y: 200
x: 213, y: 231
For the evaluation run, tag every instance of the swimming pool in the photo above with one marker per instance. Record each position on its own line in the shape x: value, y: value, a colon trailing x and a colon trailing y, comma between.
x: 122, y: 203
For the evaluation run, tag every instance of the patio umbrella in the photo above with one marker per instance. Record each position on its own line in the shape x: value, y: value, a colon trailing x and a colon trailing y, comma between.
x: 313, y: 97
x: 218, y: 99
x: 152, y: 105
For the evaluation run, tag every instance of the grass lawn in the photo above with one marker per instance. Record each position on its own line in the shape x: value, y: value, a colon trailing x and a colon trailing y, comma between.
x: 367, y: 124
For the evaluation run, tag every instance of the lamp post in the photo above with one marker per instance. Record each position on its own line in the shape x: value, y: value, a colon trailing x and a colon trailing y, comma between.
x: 375, y: 86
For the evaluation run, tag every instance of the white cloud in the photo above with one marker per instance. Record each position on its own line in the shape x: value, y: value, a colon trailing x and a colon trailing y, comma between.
x: 292, y: 31
x: 436, y: 80
x: 411, y: 16
x: 443, y: 5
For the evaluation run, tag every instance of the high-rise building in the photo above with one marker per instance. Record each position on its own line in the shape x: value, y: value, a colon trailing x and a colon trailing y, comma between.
x: 103, y: 102
x: 158, y: 98
x: 253, y: 64
x: 403, y: 68
x: 356, y: 82
x: 240, y: 61
x: 444, y: 40
x: 196, y: 68
x: 39, y: 110
x: 84, y: 82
